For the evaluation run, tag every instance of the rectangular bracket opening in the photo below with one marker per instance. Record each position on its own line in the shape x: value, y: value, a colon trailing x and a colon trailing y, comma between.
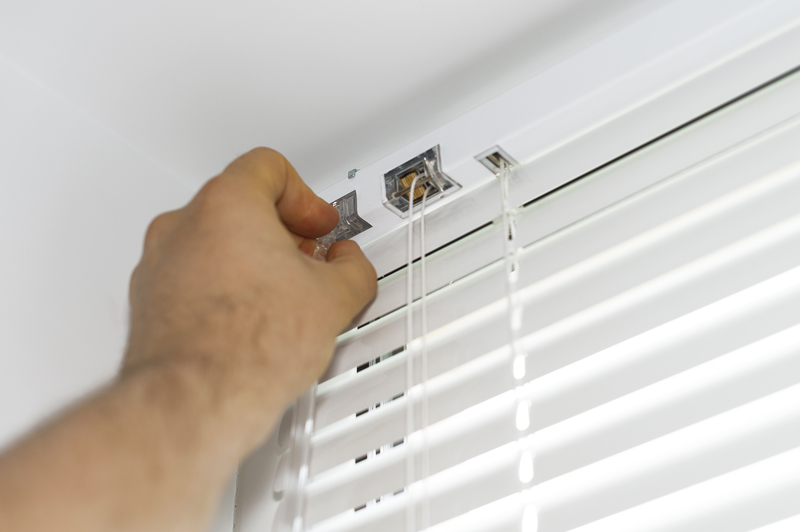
x: 494, y: 158
x: 426, y: 169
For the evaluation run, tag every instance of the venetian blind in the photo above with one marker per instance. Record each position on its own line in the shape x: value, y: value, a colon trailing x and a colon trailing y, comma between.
x: 658, y: 312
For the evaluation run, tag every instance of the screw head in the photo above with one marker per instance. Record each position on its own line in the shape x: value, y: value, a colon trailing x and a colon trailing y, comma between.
x: 352, y: 173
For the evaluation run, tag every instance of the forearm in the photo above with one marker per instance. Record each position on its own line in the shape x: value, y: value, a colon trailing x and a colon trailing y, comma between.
x: 151, y: 452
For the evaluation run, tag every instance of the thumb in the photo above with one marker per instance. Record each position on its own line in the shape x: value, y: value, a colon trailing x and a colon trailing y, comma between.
x: 353, y: 275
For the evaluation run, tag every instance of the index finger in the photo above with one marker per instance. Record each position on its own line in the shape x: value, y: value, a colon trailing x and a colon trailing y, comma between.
x: 269, y: 174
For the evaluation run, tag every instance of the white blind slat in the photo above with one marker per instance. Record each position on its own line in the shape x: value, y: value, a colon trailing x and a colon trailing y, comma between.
x: 707, y: 333
x: 790, y: 524
x: 704, y: 391
x: 740, y: 500
x: 740, y: 437
x: 735, y: 439
x: 470, y: 485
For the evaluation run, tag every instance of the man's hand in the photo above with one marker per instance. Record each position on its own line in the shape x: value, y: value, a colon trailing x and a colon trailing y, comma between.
x: 222, y: 282
x: 230, y: 321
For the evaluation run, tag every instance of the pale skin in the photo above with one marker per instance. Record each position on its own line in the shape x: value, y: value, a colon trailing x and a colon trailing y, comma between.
x: 231, y: 320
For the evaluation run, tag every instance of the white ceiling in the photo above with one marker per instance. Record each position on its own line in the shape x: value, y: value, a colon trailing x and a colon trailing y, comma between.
x: 332, y: 84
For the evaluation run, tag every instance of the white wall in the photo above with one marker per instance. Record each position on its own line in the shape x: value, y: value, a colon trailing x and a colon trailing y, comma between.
x: 333, y: 85
x: 75, y: 201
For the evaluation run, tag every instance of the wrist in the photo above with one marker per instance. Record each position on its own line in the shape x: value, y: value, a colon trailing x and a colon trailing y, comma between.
x: 224, y: 407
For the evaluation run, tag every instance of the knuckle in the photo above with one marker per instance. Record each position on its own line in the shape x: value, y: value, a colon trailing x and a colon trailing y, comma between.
x: 214, y: 188
x: 217, y: 191
x: 266, y: 156
x: 157, y: 228
x: 265, y: 164
x: 260, y: 158
x: 268, y: 160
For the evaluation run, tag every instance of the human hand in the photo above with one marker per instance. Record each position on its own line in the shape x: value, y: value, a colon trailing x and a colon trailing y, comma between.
x: 230, y: 321
x: 226, y: 285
